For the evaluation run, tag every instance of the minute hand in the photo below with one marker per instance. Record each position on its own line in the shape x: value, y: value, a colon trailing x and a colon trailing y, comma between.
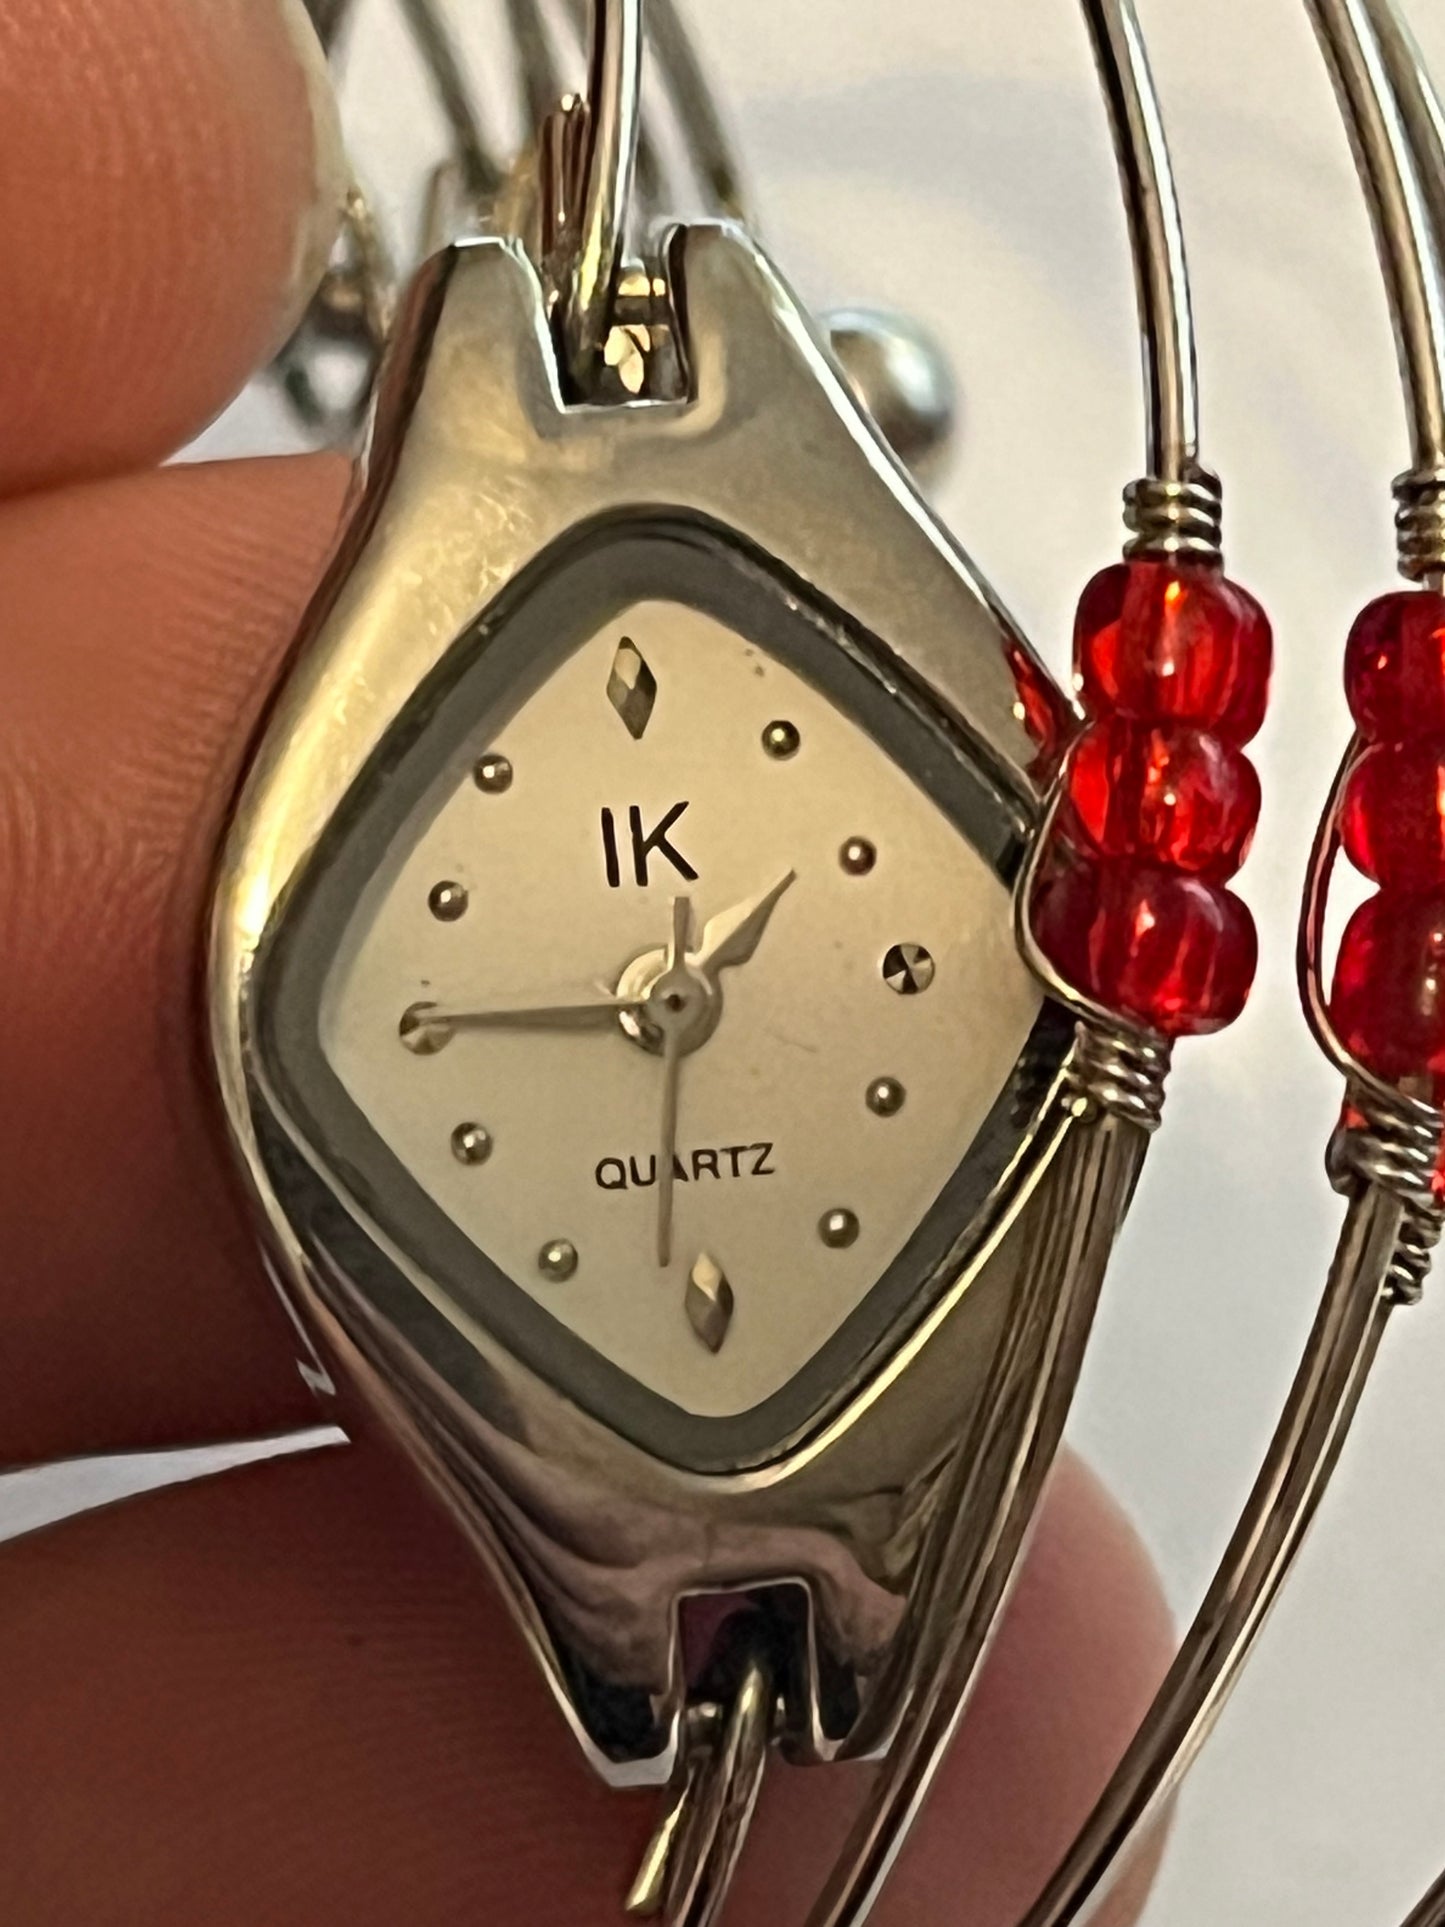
x: 733, y: 935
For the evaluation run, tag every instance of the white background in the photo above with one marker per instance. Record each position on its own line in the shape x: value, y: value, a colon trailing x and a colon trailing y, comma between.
x: 953, y: 160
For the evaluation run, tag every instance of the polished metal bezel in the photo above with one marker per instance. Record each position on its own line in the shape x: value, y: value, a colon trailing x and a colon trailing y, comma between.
x: 588, y: 577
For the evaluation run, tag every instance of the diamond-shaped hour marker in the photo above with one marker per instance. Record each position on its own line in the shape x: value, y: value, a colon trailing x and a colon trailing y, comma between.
x: 709, y: 1302
x: 632, y: 688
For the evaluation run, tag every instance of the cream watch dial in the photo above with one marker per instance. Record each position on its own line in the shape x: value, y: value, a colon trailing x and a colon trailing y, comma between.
x: 679, y: 999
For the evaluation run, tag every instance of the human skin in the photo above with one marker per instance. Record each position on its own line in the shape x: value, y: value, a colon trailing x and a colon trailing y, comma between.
x: 286, y: 1695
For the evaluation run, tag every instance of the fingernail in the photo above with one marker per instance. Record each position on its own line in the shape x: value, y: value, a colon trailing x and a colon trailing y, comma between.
x: 321, y: 221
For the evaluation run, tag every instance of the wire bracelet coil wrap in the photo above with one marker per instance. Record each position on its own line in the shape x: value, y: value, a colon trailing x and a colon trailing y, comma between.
x: 1394, y: 1147
x: 1420, y: 526
x: 1168, y: 520
x: 1120, y: 1072
x: 1386, y: 1153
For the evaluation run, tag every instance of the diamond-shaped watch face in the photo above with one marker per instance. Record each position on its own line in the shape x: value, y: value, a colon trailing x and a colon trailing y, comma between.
x: 655, y: 996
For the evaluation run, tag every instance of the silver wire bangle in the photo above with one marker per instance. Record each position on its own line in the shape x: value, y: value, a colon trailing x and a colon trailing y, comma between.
x: 1393, y: 117
x: 1383, y: 1248
x: 595, y: 234
x: 1176, y: 507
x: 1395, y: 121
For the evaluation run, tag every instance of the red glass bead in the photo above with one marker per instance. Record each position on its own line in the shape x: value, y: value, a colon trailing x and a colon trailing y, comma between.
x: 1395, y: 667
x: 1388, y: 1002
x: 1173, y: 952
x: 1392, y: 821
x: 1174, y: 641
x: 1165, y: 791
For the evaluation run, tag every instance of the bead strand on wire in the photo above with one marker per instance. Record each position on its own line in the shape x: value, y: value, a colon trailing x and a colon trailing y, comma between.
x: 1158, y: 801
x: 1388, y: 998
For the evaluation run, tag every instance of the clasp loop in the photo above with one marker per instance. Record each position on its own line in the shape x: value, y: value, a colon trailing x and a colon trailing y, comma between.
x: 589, y: 164
x: 688, y: 1869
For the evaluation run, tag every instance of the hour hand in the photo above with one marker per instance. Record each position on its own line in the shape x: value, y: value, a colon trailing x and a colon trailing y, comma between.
x: 428, y: 1028
x: 733, y: 935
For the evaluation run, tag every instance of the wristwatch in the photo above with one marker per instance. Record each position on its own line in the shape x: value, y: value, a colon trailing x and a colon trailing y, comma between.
x: 631, y: 1003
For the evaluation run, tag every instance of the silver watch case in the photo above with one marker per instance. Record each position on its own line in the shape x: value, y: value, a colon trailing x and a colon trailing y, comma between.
x: 482, y: 488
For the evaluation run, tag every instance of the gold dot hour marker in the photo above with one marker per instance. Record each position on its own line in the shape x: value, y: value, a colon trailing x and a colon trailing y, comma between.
x: 858, y: 856
x: 448, y: 902
x: 781, y: 740
x: 838, y: 1229
x: 558, y: 1260
x: 886, y: 1097
x: 471, y: 1144
x: 493, y: 775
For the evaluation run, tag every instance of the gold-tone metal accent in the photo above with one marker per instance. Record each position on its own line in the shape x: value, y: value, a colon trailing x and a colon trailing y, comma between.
x: 838, y: 1229
x: 908, y: 969
x: 626, y: 351
x: 558, y: 1260
x: 858, y: 856
x: 886, y: 1097
x: 448, y: 902
x: 493, y: 775
x: 471, y: 1144
x: 632, y: 688
x: 781, y: 740
x: 709, y: 1302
